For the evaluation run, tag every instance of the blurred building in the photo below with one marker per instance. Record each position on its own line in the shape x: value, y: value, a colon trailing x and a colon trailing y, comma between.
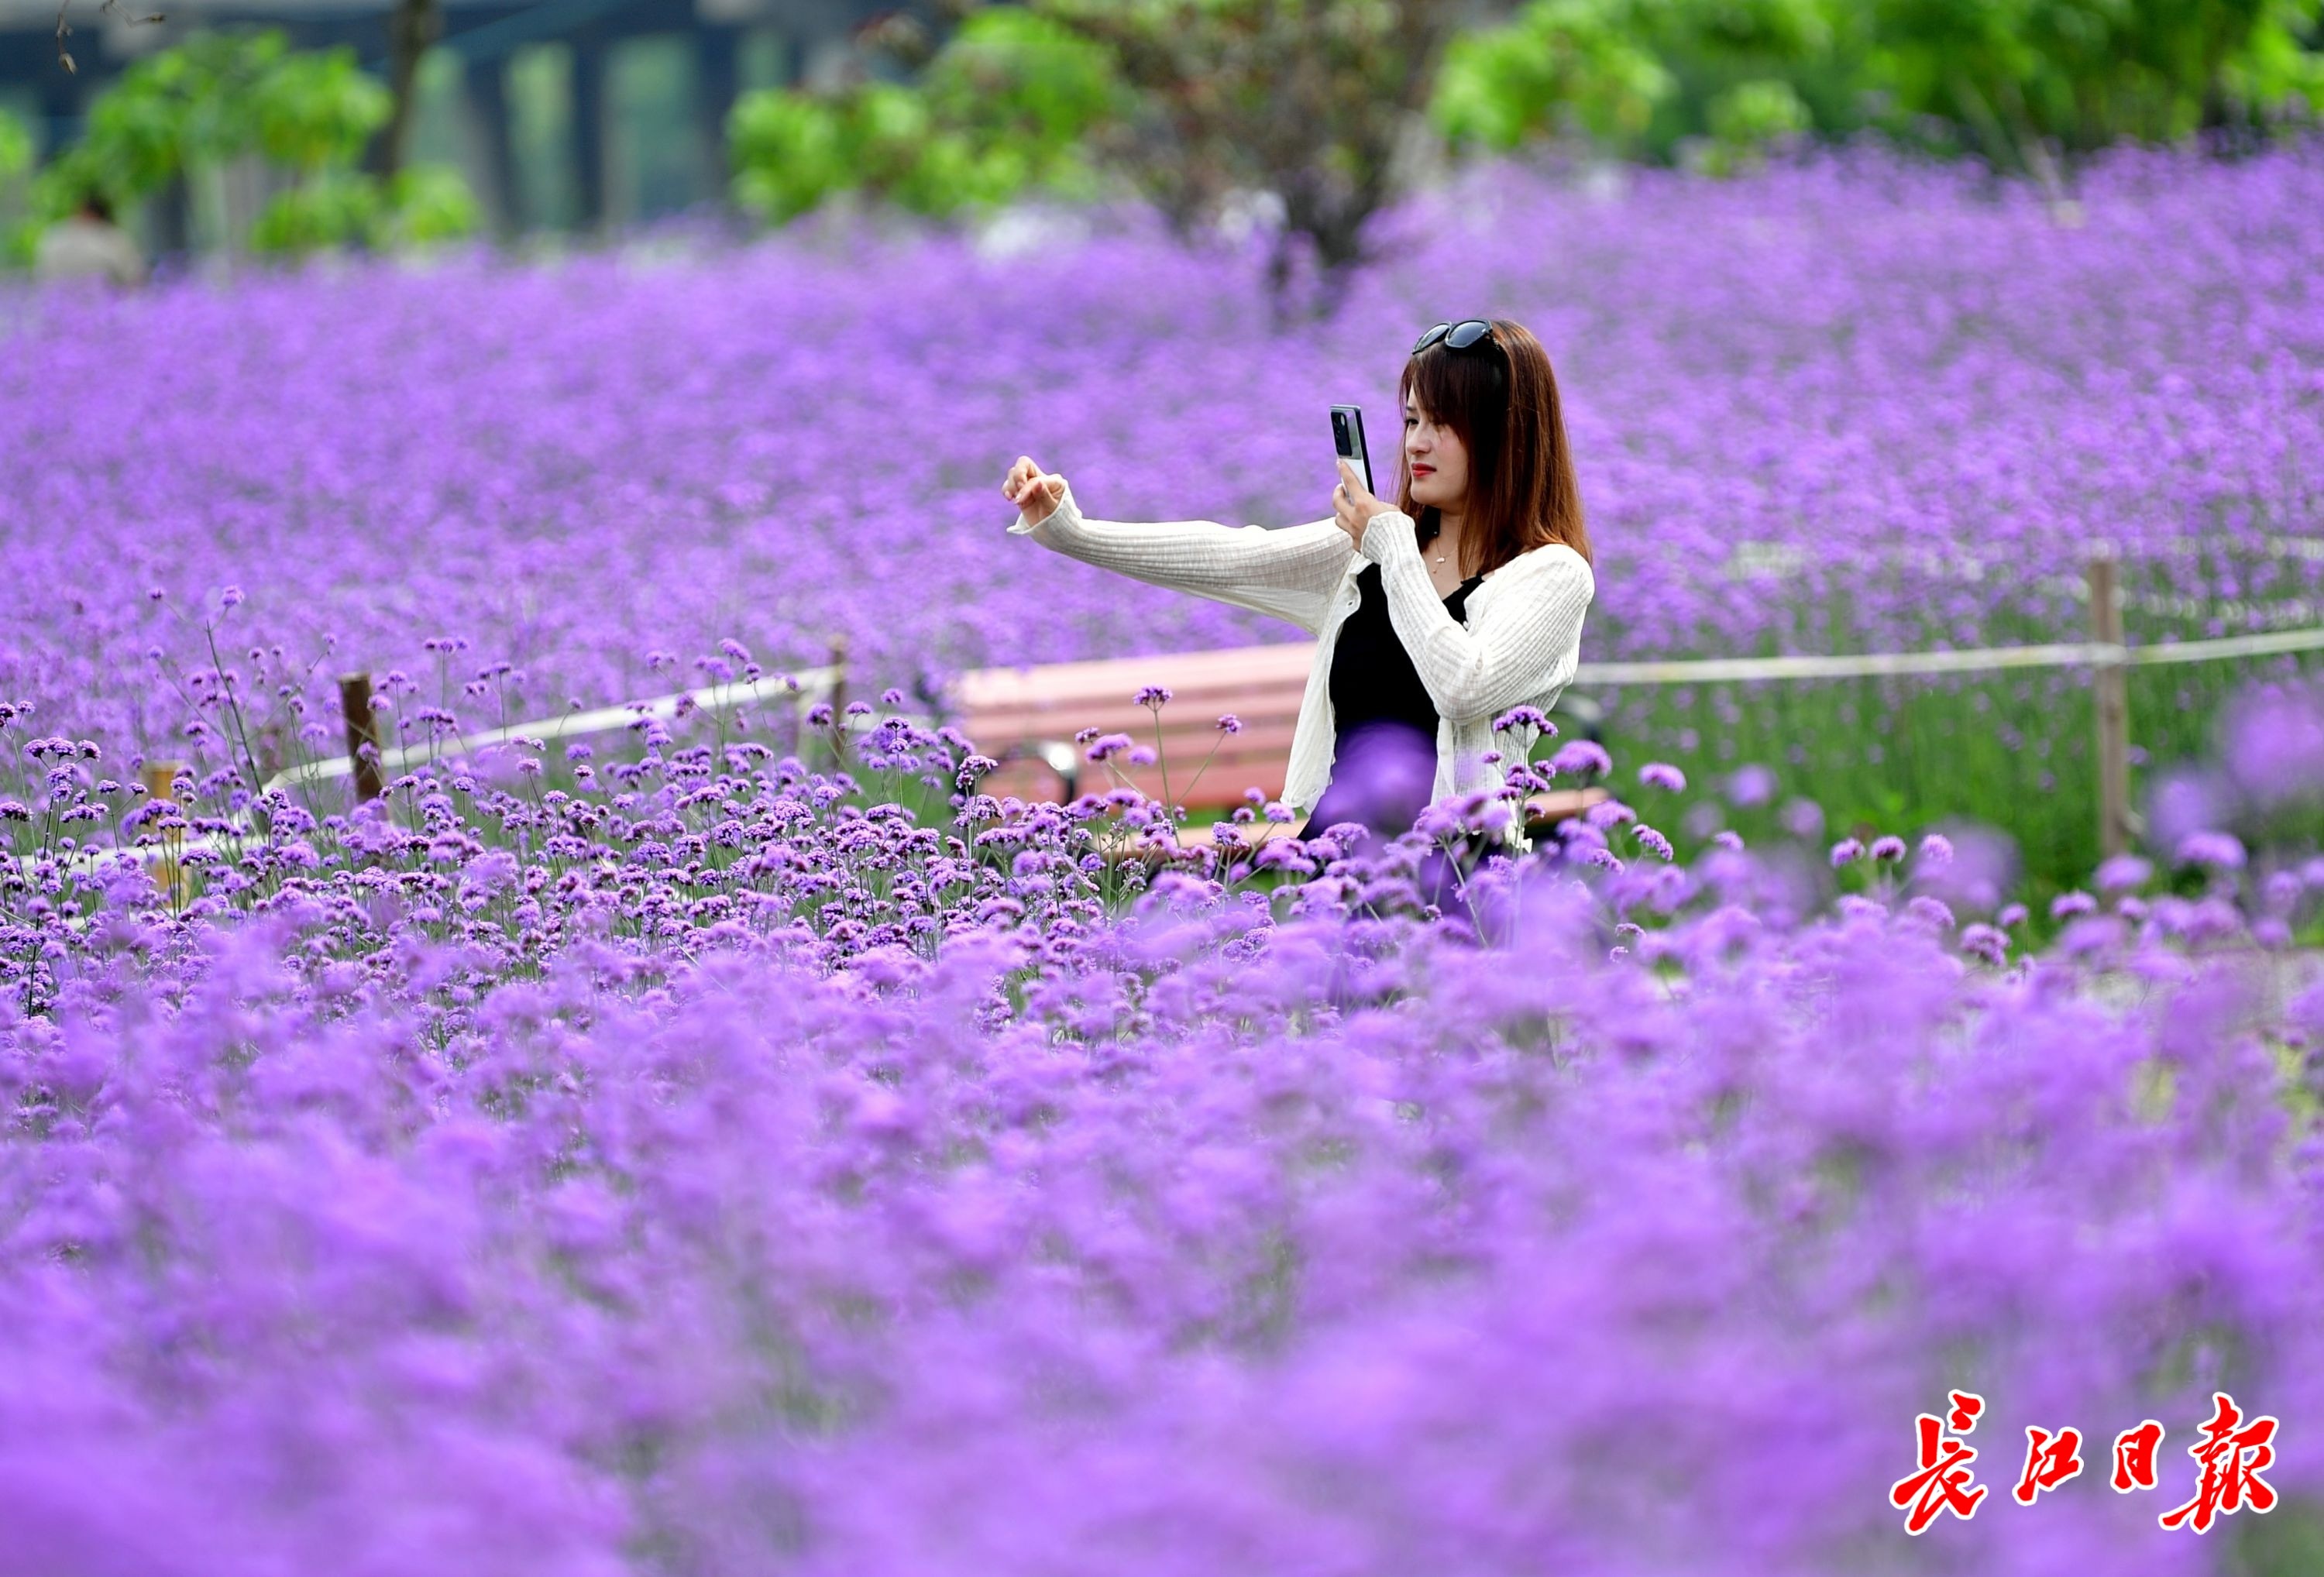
x: 564, y: 114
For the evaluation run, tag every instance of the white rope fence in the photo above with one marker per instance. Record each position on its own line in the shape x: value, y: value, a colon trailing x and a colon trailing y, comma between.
x: 803, y: 688
x: 1865, y: 665
x: 2275, y: 643
x: 823, y: 683
x: 2097, y: 654
x: 815, y: 684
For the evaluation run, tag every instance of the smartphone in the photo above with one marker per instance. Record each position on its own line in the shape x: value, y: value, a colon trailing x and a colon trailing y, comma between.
x: 1348, y: 439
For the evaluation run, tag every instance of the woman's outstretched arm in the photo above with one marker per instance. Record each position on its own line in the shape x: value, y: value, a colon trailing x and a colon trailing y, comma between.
x: 1526, y: 641
x: 1290, y: 574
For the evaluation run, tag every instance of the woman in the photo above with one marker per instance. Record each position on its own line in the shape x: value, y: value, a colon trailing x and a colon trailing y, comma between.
x: 1433, y: 616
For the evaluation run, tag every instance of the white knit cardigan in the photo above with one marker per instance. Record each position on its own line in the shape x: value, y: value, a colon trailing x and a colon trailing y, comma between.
x: 1517, y: 645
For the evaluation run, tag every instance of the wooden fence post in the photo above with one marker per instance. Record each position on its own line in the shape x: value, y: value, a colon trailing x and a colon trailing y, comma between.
x: 839, y: 701
x: 363, y: 729
x: 161, y: 780
x: 2111, y: 692
x: 838, y: 674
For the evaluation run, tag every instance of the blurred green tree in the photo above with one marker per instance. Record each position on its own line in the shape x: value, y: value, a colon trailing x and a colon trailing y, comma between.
x: 425, y: 204
x: 16, y: 237
x: 15, y: 146
x: 1316, y: 102
x: 1577, y: 68
x: 1652, y: 78
x: 1006, y: 105
x: 219, y: 96
x: 1191, y: 103
x: 2035, y: 82
x: 1188, y: 102
x: 313, y: 113
x: 2027, y: 84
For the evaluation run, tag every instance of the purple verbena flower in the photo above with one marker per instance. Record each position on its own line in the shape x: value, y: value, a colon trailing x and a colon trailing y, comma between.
x: 2067, y: 905
x: 1930, y: 911
x: 2216, y: 849
x: 1582, y: 756
x: 1984, y: 942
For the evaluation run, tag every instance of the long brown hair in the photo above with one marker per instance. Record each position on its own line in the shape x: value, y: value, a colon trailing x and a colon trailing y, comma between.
x: 1502, y: 404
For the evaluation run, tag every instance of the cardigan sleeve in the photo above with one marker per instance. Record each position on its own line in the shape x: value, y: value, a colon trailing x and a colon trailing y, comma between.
x: 1291, y: 573
x: 1524, y: 643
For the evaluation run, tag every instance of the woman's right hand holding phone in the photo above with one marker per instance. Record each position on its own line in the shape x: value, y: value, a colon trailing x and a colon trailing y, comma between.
x: 1033, y: 491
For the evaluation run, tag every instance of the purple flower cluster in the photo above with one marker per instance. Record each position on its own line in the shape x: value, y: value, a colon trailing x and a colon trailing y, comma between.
x: 523, y: 1180
x: 795, y: 447
x: 746, y: 1146
x: 705, y: 1166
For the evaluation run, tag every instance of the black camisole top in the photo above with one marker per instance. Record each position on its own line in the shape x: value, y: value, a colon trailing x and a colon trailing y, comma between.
x: 1372, y: 676
x: 1375, y: 689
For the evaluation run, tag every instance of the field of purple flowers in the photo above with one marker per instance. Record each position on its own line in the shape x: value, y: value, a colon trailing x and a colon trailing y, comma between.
x: 718, y: 1172
x: 1860, y: 406
x: 737, y: 1148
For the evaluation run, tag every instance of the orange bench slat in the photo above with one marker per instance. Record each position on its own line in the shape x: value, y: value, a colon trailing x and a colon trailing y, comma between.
x: 1004, y: 711
x: 1236, y: 669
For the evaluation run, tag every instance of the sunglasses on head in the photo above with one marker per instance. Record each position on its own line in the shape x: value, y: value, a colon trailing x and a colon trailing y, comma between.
x: 1461, y: 335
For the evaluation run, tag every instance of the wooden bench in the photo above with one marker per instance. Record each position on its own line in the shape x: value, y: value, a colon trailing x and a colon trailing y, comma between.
x: 1026, y: 719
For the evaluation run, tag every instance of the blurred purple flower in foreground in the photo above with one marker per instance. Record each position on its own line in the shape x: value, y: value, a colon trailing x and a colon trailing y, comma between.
x: 1750, y: 786
x: 2275, y: 743
x: 710, y: 1164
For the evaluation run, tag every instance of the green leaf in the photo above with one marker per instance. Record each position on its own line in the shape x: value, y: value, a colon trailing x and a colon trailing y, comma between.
x: 1560, y: 67
x: 15, y: 146
x: 428, y: 203
x: 338, y: 209
x: 316, y: 111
